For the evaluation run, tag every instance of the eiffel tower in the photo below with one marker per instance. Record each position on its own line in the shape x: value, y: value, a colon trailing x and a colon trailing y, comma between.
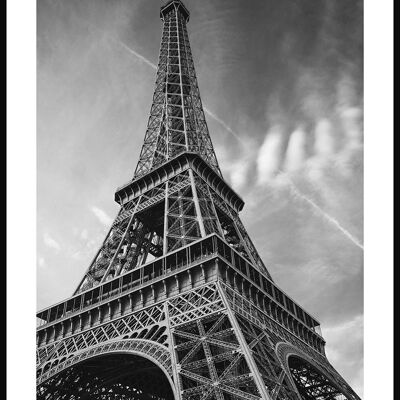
x: 177, y: 303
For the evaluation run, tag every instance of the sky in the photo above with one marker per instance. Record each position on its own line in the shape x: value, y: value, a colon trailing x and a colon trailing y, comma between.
x: 282, y: 83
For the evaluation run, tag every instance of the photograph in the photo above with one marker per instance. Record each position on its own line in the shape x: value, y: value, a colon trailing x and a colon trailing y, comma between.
x: 200, y: 198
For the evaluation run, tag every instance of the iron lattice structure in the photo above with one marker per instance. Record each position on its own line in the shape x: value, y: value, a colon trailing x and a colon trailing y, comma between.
x: 177, y: 304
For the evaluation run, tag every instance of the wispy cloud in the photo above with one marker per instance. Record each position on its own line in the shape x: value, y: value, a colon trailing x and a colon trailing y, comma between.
x: 237, y: 169
x: 296, y: 150
x: 51, y: 242
x: 321, y: 269
x: 84, y: 234
x: 351, y: 118
x: 269, y: 155
x: 101, y: 215
x: 324, y: 141
x: 41, y: 262
x: 88, y: 242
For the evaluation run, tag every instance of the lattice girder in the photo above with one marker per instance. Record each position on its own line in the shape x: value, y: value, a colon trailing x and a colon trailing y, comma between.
x: 164, y: 218
x: 219, y: 353
x: 177, y: 122
x: 205, y: 260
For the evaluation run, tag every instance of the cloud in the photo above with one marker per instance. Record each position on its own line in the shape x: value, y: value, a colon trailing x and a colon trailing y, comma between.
x: 296, y: 150
x: 236, y: 167
x: 50, y: 242
x: 352, y: 123
x: 350, y: 154
x: 41, y: 262
x: 269, y: 155
x: 238, y: 171
x: 84, y: 234
x: 87, y: 246
x: 101, y: 216
x: 324, y: 144
x: 345, y: 349
x: 238, y: 174
x: 322, y: 270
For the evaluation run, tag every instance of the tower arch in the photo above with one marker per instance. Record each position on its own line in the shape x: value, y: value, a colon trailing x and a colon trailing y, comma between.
x: 311, y: 379
x: 137, y: 367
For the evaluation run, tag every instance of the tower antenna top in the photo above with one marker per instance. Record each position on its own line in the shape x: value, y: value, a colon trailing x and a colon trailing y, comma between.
x: 177, y: 5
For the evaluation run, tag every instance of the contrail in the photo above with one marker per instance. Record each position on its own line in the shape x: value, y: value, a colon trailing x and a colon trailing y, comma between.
x: 324, y: 214
x: 206, y: 110
x: 221, y: 122
x: 139, y: 56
